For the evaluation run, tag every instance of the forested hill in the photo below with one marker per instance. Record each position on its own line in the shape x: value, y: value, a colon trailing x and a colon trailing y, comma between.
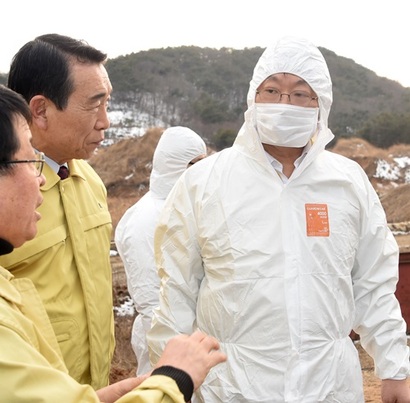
x: 206, y: 89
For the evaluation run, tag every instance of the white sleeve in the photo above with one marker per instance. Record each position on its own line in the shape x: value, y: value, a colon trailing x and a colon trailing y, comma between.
x: 378, y: 318
x: 180, y: 268
x: 135, y: 244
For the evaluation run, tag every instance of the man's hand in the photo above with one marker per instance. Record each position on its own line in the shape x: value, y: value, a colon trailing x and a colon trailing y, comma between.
x: 395, y: 391
x: 113, y: 392
x: 195, y: 354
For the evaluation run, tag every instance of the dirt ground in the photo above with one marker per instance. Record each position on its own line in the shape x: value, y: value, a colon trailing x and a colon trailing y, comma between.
x: 124, y: 363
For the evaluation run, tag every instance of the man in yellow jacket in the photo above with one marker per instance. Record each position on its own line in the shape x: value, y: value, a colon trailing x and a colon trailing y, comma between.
x: 31, y: 364
x: 65, y: 83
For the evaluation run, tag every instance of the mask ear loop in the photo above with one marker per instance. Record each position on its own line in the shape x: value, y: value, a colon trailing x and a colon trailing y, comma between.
x: 318, y: 118
x: 318, y: 126
x: 252, y: 111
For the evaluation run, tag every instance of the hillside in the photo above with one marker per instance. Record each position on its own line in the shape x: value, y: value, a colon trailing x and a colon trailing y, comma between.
x: 125, y: 168
x: 205, y: 89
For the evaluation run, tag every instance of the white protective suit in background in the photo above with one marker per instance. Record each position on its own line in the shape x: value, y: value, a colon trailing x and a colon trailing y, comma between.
x: 238, y: 260
x: 134, y: 233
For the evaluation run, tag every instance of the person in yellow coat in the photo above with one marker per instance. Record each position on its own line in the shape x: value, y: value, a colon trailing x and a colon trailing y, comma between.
x: 67, y: 87
x: 31, y: 364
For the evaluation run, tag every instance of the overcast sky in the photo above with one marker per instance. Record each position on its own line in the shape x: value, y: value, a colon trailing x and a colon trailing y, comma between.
x: 375, y: 34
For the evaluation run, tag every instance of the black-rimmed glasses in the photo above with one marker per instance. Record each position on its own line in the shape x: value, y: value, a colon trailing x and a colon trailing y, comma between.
x: 274, y: 96
x: 38, y: 163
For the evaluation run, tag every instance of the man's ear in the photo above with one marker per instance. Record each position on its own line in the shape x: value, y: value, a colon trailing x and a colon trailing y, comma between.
x: 38, y: 106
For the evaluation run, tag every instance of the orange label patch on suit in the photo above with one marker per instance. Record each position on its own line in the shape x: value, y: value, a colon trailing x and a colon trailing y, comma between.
x: 317, y: 220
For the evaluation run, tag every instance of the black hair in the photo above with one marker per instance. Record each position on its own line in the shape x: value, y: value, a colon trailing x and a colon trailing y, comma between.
x: 11, y: 105
x: 42, y: 67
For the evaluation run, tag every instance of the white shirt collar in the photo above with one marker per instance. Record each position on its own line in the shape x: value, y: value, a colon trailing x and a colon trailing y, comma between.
x: 279, y: 167
x: 53, y: 165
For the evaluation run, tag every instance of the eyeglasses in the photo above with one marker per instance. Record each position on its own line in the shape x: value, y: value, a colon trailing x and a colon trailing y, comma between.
x: 38, y: 163
x: 274, y: 96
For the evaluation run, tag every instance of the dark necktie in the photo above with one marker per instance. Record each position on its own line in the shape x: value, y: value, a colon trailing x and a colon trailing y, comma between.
x: 63, y: 172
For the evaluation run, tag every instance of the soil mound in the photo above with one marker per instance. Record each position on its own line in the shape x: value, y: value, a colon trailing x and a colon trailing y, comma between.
x: 396, y: 203
x: 126, y: 165
x: 388, y: 171
x: 125, y: 168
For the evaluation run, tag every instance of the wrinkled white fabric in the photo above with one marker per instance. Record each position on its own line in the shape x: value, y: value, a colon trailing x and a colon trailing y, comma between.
x: 285, y: 125
x: 135, y: 231
x: 240, y: 259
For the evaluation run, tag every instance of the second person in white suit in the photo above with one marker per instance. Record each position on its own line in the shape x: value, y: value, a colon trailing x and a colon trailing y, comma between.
x: 178, y: 148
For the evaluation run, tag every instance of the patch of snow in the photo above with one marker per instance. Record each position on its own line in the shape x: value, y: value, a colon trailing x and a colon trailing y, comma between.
x: 125, y: 132
x: 407, y: 176
x: 126, y: 308
x: 117, y: 117
x: 395, y: 233
x: 107, y: 142
x: 129, y: 123
x: 402, y: 162
x: 386, y: 171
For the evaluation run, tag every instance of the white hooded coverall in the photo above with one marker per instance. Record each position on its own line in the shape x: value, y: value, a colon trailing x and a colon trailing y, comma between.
x: 240, y: 260
x: 134, y: 234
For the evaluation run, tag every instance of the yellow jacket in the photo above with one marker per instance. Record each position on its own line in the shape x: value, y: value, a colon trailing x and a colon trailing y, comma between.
x: 69, y: 264
x: 31, y: 365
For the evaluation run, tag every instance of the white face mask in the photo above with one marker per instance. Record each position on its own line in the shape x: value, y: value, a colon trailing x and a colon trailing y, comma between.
x: 285, y: 125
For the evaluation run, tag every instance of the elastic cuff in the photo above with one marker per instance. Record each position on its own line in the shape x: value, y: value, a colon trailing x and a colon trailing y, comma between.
x: 395, y: 378
x: 182, y: 379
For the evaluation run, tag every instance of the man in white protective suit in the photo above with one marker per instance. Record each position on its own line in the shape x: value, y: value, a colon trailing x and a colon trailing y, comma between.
x: 178, y: 148
x: 279, y: 248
